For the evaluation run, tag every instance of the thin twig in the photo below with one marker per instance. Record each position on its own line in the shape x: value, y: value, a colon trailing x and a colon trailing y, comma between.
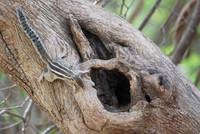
x: 182, y: 21
x: 173, y: 15
x: 128, y: 7
x: 27, y: 114
x: 14, y: 124
x: 18, y: 106
x: 5, y: 88
x: 11, y: 125
x: 15, y: 115
x: 5, y: 99
x: 50, y: 128
x: 2, y: 112
x: 197, y: 77
x: 23, y: 118
x: 149, y: 15
x: 122, y: 7
x: 187, y: 37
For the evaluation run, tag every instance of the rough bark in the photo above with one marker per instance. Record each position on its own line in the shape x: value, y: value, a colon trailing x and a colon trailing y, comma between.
x: 131, y: 87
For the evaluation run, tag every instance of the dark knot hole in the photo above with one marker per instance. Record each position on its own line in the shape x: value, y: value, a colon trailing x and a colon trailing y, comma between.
x: 113, y: 88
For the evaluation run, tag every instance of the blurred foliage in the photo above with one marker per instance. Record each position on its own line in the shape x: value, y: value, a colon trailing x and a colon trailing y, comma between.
x: 22, y: 93
x: 2, y: 76
x: 188, y: 65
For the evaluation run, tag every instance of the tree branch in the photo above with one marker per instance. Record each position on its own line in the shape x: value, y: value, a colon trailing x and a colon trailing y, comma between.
x: 197, y: 77
x: 149, y: 15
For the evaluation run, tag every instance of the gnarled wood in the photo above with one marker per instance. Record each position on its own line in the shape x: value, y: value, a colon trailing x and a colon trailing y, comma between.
x: 131, y: 87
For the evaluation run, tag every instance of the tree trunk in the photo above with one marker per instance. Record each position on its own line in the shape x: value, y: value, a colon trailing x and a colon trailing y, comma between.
x: 130, y: 87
